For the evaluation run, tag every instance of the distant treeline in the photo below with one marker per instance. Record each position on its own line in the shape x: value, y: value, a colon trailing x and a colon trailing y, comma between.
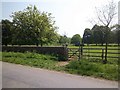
x: 102, y: 34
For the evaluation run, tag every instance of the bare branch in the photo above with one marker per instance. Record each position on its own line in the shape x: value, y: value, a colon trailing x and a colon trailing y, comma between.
x: 106, y: 15
x: 101, y: 20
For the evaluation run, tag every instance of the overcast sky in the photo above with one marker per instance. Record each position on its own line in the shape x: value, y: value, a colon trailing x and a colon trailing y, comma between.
x: 71, y: 16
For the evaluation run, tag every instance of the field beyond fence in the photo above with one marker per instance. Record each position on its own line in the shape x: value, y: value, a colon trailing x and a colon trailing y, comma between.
x: 94, y: 52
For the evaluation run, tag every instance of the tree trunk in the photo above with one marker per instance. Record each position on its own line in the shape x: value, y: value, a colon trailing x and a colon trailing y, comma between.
x: 105, y: 61
x: 106, y: 45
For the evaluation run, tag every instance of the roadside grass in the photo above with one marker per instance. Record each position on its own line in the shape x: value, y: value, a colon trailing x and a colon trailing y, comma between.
x: 31, y: 59
x: 91, y: 66
x: 95, y: 69
x: 88, y: 67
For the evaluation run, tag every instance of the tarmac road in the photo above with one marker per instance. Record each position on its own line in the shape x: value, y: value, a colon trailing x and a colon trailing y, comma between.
x: 18, y: 76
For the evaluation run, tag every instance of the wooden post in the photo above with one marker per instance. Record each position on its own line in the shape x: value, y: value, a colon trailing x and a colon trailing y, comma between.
x: 81, y: 50
x: 79, y: 53
x: 66, y: 51
x: 102, y: 54
x: 105, y: 61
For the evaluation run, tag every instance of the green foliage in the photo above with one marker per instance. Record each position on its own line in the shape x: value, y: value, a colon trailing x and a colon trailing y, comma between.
x: 76, y: 39
x: 6, y: 32
x: 116, y: 32
x: 101, y: 34
x: 107, y: 71
x: 64, y: 40
x: 33, y: 27
x: 31, y: 59
x: 87, y: 36
x: 98, y: 34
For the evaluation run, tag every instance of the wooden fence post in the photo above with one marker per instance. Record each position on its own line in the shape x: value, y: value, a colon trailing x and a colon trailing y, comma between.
x: 102, y: 54
x: 81, y: 50
x: 79, y: 53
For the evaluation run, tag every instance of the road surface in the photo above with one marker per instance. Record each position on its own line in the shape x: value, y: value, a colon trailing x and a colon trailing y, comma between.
x: 18, y: 76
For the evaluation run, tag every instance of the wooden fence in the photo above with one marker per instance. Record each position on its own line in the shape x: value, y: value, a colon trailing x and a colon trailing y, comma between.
x: 94, y: 52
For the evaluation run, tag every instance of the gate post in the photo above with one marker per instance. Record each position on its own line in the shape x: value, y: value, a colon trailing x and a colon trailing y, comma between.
x: 102, y: 54
x: 81, y: 50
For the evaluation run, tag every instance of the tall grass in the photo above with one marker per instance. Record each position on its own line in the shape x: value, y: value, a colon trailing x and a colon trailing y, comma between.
x: 31, y: 59
x: 84, y: 67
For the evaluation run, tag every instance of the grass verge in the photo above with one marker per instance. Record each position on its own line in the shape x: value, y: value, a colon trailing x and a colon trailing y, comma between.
x: 95, y: 69
x: 83, y: 67
x: 31, y: 59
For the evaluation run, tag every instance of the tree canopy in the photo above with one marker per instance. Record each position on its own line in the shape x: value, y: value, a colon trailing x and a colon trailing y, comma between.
x: 31, y: 26
x: 76, y: 39
x: 87, y: 36
x: 64, y: 40
x: 6, y: 32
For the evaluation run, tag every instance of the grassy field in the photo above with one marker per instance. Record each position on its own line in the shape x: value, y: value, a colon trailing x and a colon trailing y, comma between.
x: 83, y: 67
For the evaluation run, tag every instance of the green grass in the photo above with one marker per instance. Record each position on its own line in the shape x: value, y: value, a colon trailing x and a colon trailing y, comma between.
x: 95, y: 69
x: 31, y: 59
x: 88, y: 67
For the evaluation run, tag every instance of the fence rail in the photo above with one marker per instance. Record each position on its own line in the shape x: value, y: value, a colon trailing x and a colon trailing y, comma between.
x: 94, y: 52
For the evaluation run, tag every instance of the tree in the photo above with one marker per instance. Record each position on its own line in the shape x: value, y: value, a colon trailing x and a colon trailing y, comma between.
x: 64, y: 40
x: 116, y: 33
x: 105, y: 17
x: 112, y: 37
x: 87, y: 36
x: 99, y: 33
x: 33, y: 27
x: 6, y: 32
x: 76, y: 39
